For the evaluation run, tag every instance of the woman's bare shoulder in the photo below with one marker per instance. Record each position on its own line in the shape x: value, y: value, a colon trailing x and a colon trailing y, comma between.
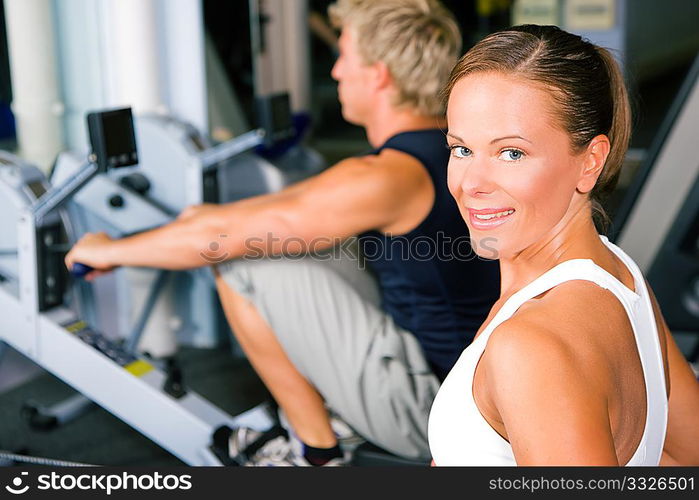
x: 574, y: 313
x: 570, y: 332
x: 549, y: 385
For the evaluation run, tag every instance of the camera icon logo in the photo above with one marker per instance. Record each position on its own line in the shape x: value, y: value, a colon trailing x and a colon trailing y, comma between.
x: 212, y: 254
x: 17, y: 483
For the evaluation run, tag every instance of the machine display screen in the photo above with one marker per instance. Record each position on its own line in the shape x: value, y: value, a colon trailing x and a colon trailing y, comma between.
x: 112, y: 138
x: 281, y: 114
x: 118, y: 134
x: 274, y: 116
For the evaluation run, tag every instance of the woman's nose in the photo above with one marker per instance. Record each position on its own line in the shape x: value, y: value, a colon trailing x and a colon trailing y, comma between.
x: 475, y: 178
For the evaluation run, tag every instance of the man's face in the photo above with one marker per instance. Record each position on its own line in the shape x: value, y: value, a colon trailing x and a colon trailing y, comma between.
x: 354, y: 79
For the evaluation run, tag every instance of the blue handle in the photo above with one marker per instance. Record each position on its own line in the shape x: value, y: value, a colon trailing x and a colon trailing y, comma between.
x: 80, y: 270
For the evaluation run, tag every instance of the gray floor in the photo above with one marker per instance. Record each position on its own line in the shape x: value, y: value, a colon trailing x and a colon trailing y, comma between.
x: 100, y: 438
x: 15, y: 370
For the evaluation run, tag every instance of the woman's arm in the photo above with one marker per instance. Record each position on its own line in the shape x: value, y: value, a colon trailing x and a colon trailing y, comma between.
x: 682, y: 438
x: 551, y: 401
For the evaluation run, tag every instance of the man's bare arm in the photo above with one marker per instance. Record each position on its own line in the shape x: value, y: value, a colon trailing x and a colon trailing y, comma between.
x: 353, y: 196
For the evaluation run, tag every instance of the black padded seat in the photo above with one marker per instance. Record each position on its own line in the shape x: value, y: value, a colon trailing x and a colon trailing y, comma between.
x: 369, y: 455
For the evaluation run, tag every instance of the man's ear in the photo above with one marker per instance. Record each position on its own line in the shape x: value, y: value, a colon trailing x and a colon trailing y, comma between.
x: 593, y: 159
x: 382, y: 76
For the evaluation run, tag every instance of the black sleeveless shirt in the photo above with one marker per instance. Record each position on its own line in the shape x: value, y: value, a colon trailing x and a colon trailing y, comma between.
x: 432, y: 283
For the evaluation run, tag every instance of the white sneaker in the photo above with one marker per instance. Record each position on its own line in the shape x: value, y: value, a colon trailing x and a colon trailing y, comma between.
x: 273, y: 448
x: 347, y: 438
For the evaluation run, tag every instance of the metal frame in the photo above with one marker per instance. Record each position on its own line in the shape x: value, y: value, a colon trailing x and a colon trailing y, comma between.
x: 130, y: 388
x: 664, y: 180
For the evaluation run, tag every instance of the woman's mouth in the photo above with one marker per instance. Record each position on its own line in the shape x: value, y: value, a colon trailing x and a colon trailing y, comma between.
x: 489, y: 218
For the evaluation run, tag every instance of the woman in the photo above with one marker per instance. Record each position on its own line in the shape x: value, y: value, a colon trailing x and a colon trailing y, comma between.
x: 574, y: 364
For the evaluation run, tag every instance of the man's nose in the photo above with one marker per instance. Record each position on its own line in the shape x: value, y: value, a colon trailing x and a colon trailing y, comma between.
x: 335, y: 72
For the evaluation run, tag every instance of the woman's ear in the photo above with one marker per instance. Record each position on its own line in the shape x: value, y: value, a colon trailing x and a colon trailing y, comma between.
x: 594, y: 157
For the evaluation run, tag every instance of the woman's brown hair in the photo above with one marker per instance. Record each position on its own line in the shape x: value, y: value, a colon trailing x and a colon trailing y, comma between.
x: 584, y: 80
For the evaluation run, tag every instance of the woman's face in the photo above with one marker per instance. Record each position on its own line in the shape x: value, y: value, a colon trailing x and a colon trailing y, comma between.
x: 512, y: 170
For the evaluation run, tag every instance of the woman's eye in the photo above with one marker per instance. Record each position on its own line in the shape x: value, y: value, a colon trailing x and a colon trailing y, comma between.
x: 511, y: 155
x: 460, y: 151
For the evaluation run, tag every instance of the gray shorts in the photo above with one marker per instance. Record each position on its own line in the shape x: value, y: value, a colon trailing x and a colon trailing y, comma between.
x: 327, y: 317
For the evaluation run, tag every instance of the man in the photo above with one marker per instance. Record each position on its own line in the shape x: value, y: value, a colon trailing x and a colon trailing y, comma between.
x: 314, y: 330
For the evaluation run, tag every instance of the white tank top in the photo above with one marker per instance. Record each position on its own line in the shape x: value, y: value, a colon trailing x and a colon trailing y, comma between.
x: 459, y: 435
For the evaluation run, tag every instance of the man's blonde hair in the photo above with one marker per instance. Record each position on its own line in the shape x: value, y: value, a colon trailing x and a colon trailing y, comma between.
x: 418, y: 40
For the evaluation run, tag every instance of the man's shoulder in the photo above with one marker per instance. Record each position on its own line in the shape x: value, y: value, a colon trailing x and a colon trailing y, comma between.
x: 390, y: 174
x: 368, y: 170
x: 388, y: 158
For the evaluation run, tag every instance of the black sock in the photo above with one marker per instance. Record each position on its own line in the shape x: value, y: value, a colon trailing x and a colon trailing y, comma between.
x: 321, y: 456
